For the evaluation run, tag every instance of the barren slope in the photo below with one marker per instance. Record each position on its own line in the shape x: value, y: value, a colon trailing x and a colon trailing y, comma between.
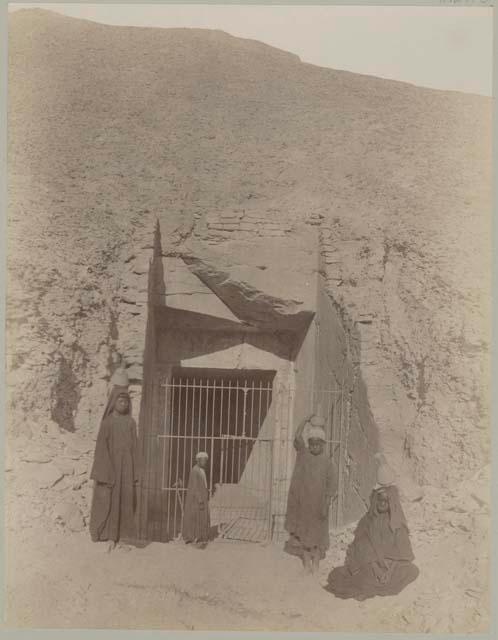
x: 111, y: 127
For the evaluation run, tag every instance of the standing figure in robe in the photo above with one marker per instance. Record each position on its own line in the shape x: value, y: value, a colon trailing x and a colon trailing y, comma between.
x: 313, y: 484
x: 196, y: 519
x: 115, y: 473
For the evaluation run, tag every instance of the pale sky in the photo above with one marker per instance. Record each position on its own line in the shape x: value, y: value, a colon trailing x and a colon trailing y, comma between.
x: 438, y: 47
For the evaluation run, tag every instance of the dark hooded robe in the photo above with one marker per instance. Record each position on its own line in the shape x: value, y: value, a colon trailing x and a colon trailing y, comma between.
x: 379, y: 560
x: 196, y: 519
x: 313, y: 483
x: 115, y: 472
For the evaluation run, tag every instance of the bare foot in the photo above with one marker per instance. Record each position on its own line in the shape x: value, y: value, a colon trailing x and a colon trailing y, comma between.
x: 111, y: 546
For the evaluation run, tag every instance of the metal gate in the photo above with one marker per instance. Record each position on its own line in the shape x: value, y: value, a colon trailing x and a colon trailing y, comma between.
x: 230, y: 417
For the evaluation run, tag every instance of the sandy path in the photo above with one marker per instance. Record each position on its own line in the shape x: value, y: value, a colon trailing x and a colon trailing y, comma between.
x: 61, y: 580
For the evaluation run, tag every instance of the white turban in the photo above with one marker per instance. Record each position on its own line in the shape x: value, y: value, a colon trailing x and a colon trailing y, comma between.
x: 201, y: 454
x: 317, y: 421
x: 316, y: 433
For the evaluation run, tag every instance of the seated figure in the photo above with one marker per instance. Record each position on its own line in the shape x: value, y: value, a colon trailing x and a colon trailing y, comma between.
x: 379, y: 560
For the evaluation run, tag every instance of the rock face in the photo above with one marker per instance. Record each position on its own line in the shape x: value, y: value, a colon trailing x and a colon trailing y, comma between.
x: 270, y: 283
x: 234, y: 149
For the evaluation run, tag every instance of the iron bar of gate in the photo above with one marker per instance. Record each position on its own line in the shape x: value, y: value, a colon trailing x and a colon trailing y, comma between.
x: 244, y: 446
x: 160, y: 497
x: 251, y: 434
x: 229, y: 416
x: 192, y: 416
x: 182, y: 450
x: 260, y: 397
x: 252, y: 409
x: 271, y: 452
x: 198, y: 436
x: 211, y: 479
x: 181, y: 453
x: 243, y: 429
x: 220, y: 431
x: 169, y: 421
x: 233, y: 441
x: 202, y: 424
x: 205, y: 446
x: 236, y: 421
x: 177, y: 449
x: 175, y: 407
x: 202, y: 438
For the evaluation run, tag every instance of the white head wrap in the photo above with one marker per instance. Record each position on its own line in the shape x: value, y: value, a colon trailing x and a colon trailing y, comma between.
x: 201, y: 454
x: 316, y: 433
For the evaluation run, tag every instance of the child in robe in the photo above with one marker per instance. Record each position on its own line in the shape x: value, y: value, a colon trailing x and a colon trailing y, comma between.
x: 115, y: 473
x: 196, y: 519
x: 313, y: 484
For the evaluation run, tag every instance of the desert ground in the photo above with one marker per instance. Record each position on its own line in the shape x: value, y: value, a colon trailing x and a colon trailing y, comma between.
x: 60, y: 578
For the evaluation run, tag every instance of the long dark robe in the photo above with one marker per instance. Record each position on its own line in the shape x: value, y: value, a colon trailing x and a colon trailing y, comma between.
x: 196, y: 518
x: 115, y: 472
x: 312, y: 485
x: 379, y: 560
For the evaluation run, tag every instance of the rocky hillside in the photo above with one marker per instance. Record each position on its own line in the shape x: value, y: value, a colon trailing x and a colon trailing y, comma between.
x: 113, y: 128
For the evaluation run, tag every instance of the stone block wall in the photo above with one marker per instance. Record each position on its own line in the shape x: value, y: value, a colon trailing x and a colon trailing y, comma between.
x: 241, y: 224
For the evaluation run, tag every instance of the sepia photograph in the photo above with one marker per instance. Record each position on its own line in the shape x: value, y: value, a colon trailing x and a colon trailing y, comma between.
x: 248, y: 318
